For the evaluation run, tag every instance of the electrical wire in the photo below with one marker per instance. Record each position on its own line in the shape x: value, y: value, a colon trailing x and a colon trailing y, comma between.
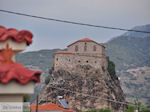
x: 72, y: 22
x: 83, y: 24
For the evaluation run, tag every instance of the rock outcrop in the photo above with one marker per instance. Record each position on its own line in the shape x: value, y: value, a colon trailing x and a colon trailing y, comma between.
x: 84, y: 88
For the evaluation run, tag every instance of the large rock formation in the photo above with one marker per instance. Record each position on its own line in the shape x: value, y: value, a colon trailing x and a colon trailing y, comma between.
x: 84, y: 88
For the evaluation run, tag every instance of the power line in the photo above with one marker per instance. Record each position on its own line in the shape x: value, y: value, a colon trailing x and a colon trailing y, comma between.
x: 125, y: 103
x: 71, y: 22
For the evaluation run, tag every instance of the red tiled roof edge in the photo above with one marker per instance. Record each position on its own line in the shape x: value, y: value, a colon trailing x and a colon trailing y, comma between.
x: 18, y: 73
x: 63, y: 52
x: 85, y: 40
x: 50, y: 106
x: 14, y: 34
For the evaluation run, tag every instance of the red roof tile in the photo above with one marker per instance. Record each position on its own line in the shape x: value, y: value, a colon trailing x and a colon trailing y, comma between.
x: 63, y: 52
x: 16, y: 71
x: 15, y: 35
x: 84, y: 40
x: 10, y: 70
x: 50, y: 107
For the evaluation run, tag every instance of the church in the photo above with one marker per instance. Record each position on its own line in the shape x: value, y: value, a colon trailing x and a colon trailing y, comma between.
x: 81, y: 52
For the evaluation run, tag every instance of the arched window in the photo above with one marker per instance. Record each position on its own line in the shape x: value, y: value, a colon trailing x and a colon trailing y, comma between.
x: 85, y: 47
x: 76, y: 48
x: 94, y: 48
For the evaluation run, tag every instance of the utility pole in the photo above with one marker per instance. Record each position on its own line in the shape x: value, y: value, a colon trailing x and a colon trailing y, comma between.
x: 37, y: 102
x: 139, y: 107
x: 136, y: 108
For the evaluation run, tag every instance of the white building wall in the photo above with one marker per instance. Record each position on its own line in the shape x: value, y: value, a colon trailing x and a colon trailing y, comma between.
x: 14, y: 87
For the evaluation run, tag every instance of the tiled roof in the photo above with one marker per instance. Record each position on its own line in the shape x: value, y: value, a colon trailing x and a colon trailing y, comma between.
x: 10, y: 70
x: 19, y: 36
x: 63, y: 52
x: 16, y: 71
x: 84, y: 40
x: 50, y: 107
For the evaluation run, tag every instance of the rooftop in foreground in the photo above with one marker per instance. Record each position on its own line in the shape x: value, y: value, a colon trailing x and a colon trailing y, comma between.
x: 50, y: 107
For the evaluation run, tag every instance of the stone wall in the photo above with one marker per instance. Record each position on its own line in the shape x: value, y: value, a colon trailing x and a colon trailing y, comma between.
x: 81, y: 53
x: 69, y: 61
x: 99, y: 49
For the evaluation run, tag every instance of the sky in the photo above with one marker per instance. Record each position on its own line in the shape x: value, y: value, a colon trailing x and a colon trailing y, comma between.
x: 50, y: 34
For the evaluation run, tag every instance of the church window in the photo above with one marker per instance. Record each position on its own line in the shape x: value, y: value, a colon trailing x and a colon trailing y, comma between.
x: 94, y: 48
x: 85, y: 47
x: 87, y: 61
x: 79, y: 61
x: 76, y: 48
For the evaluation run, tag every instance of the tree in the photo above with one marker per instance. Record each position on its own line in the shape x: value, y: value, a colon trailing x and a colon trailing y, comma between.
x: 111, y: 69
x: 130, y: 108
x: 146, y: 109
x: 139, y: 107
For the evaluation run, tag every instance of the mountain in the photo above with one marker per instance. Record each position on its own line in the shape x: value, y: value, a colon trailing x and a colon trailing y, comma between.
x: 130, y: 52
x: 139, y: 34
x: 131, y: 56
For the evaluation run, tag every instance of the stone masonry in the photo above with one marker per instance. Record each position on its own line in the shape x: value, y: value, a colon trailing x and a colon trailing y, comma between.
x: 81, y: 52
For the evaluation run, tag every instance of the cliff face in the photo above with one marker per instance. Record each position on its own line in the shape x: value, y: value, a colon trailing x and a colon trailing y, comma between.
x: 95, y: 85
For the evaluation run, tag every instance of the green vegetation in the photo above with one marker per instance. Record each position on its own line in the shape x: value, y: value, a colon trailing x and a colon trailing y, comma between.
x: 130, y: 108
x: 101, y: 110
x: 139, y: 107
x: 111, y: 69
x: 133, y: 108
x: 26, y: 98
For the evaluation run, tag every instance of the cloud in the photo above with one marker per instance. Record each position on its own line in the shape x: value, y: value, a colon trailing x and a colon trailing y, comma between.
x: 50, y: 34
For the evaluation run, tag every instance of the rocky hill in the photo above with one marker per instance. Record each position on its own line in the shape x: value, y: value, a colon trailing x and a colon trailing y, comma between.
x: 131, y: 54
x: 89, y: 89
